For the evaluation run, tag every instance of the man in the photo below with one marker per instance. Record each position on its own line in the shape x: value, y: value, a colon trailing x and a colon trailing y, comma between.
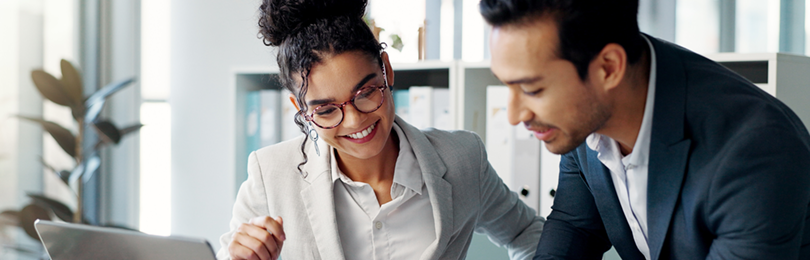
x: 666, y: 154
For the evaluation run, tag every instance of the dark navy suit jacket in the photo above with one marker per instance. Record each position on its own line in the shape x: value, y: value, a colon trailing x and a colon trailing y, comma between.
x: 729, y: 175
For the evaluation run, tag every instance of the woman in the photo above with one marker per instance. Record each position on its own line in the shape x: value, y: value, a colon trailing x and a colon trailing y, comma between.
x: 362, y: 183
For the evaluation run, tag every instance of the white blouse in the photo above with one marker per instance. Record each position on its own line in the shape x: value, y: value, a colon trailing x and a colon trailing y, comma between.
x: 400, y: 229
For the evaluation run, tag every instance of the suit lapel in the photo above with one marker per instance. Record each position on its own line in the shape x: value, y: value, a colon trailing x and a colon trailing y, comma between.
x: 441, y: 200
x: 440, y: 190
x: 319, y: 202
x: 669, y: 147
x: 604, y: 193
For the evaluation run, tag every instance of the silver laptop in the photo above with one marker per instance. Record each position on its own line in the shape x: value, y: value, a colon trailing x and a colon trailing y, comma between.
x: 66, y: 241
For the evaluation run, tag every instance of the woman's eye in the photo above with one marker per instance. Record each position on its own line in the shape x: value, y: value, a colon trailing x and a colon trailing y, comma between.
x: 366, y: 92
x: 323, y: 112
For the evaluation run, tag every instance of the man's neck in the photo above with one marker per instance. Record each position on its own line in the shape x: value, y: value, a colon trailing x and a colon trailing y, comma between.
x: 630, y: 98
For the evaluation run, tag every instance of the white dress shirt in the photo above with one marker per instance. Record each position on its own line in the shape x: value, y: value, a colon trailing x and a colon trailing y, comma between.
x: 629, y: 173
x: 400, y: 229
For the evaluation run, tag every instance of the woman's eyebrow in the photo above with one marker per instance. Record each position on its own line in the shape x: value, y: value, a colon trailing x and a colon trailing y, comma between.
x: 357, y: 87
x: 363, y: 82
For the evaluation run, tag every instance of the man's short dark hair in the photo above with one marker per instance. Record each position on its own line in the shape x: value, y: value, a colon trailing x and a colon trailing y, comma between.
x: 585, y: 26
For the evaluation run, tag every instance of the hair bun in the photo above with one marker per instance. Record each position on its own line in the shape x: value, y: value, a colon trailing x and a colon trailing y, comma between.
x: 280, y: 19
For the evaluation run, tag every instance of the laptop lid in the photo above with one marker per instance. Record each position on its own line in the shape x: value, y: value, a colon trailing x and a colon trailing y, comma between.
x: 67, y: 241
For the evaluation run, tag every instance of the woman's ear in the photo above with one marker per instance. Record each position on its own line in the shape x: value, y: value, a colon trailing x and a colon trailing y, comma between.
x: 388, y: 70
x: 292, y: 99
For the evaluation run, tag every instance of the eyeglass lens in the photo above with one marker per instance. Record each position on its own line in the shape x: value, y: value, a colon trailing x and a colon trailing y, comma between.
x: 367, y: 100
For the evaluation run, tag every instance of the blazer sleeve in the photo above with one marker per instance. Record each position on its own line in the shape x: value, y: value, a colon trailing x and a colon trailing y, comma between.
x: 574, y: 229
x: 503, y: 217
x: 758, y: 202
x: 251, y: 201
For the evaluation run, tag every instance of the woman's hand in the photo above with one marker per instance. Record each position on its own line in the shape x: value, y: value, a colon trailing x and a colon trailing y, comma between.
x: 260, y: 239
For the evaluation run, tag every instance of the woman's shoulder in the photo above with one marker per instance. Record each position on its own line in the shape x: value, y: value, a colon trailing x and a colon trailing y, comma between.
x: 280, y: 154
x: 450, y: 135
x: 453, y: 141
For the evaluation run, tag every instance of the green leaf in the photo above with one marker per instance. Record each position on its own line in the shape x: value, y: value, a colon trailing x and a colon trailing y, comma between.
x: 61, y: 210
x: 91, y: 167
x: 107, y: 131
x: 397, y: 42
x: 130, y: 129
x: 63, y: 137
x: 72, y: 81
x: 28, y: 215
x: 95, y: 102
x: 77, y: 111
x: 51, y: 88
x: 63, y: 175
x: 86, y: 168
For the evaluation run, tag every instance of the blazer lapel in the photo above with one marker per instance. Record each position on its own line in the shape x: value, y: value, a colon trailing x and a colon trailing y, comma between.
x: 669, y: 147
x: 319, y: 202
x: 440, y: 190
x: 604, y: 193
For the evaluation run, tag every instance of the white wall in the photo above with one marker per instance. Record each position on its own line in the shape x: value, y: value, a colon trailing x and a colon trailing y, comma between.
x: 21, y: 24
x: 209, y: 38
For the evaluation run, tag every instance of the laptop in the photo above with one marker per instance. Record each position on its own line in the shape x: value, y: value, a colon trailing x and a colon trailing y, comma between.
x: 67, y: 241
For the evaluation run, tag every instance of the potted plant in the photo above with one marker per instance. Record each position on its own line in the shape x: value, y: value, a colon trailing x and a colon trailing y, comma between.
x: 86, y: 111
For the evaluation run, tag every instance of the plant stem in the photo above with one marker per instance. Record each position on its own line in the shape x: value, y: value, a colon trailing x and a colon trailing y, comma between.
x: 77, y: 215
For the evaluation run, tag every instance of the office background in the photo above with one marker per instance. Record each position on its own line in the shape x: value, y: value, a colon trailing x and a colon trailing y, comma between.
x: 177, y: 176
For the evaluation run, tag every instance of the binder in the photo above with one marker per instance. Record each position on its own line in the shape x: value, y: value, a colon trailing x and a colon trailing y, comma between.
x: 430, y: 107
x: 420, y: 111
x: 441, y: 109
x: 253, y: 110
x: 401, y: 101
x: 513, y: 151
x: 269, y: 125
x: 289, y: 129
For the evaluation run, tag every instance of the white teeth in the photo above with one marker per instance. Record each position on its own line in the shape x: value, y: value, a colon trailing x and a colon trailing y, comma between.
x: 363, y: 133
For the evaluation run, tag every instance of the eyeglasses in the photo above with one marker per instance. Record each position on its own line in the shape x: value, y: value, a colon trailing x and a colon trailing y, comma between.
x: 367, y: 99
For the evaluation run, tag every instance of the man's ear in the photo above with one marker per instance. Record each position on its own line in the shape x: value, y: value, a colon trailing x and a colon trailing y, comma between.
x: 610, y: 65
x: 388, y: 70
x: 292, y: 99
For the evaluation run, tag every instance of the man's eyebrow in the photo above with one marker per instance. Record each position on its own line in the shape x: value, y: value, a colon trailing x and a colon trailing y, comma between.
x: 359, y: 85
x: 523, y: 81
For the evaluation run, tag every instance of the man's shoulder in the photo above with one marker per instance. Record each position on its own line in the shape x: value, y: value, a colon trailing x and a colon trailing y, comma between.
x: 719, y: 103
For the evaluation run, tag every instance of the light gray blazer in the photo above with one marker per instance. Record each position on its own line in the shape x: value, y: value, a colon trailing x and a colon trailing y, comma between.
x: 465, y: 192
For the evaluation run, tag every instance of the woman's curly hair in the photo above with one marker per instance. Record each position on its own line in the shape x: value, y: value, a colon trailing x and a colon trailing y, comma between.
x: 307, y: 31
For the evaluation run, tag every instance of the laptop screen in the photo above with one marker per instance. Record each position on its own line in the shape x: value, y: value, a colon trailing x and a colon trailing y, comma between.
x: 67, y: 241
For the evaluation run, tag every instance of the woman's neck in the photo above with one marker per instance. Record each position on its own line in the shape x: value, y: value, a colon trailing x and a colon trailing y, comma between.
x: 375, y: 170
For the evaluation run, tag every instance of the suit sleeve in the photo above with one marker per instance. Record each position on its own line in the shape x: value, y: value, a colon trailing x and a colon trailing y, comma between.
x: 251, y: 201
x: 574, y: 229
x: 757, y: 205
x: 503, y: 217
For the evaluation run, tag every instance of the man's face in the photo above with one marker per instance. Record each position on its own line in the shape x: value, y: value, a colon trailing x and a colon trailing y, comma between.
x: 545, y: 91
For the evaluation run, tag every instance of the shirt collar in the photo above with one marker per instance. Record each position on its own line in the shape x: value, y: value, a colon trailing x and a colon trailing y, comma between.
x: 406, y: 172
x: 641, y: 151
